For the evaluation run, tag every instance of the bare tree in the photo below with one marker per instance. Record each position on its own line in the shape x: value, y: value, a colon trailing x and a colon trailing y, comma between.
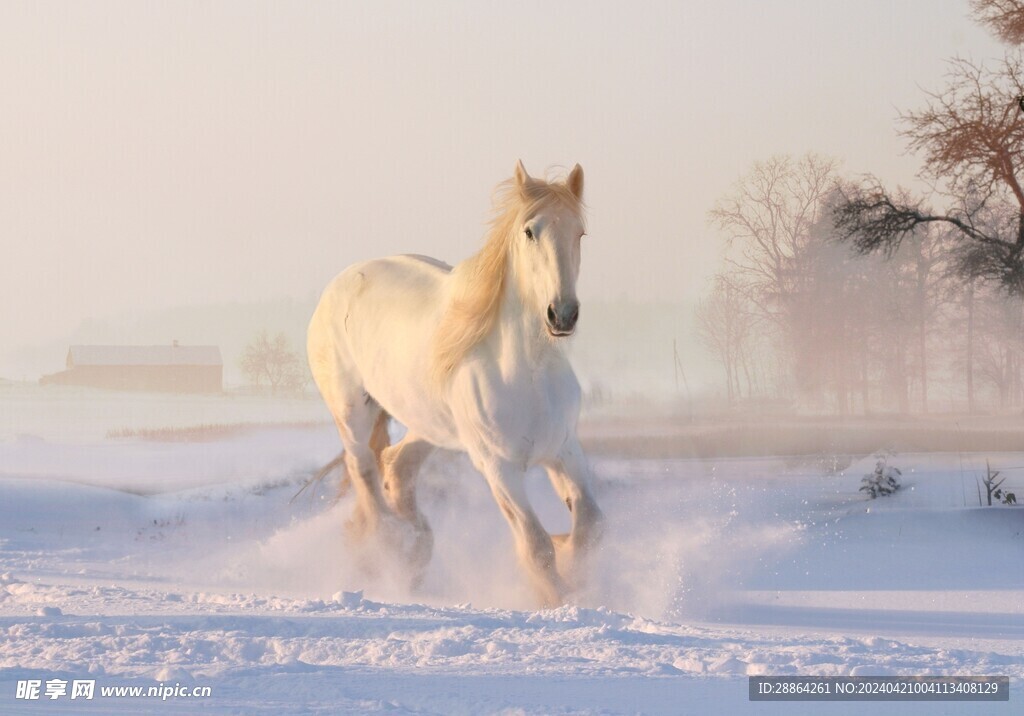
x: 272, y: 362
x: 971, y: 136
x: 1005, y: 18
x: 724, y: 326
x: 769, y: 219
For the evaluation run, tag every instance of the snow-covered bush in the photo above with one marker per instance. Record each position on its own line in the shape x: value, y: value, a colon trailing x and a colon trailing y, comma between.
x: 885, y: 480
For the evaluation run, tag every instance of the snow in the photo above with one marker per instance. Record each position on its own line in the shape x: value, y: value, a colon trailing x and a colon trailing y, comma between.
x: 139, y: 561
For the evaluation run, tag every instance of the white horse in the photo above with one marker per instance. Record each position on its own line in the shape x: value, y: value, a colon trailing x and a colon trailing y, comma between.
x: 468, y: 359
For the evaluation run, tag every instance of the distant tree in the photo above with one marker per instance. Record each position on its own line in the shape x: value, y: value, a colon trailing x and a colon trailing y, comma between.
x: 770, y: 220
x: 971, y: 136
x: 969, y: 302
x: 1000, y: 348
x: 894, y: 286
x: 964, y: 330
x: 926, y: 289
x: 1005, y: 18
x: 767, y: 219
x: 271, y: 362
x: 855, y: 323
x: 724, y: 326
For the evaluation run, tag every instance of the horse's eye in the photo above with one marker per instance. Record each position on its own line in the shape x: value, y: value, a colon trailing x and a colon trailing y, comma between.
x: 529, y: 232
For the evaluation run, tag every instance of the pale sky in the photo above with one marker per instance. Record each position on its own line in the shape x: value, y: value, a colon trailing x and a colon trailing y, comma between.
x: 161, y: 154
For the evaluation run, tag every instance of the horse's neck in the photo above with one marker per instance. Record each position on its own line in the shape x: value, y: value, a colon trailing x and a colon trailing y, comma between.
x: 519, y: 331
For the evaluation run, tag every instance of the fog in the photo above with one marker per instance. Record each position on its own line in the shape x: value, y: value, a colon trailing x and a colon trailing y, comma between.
x: 199, y: 171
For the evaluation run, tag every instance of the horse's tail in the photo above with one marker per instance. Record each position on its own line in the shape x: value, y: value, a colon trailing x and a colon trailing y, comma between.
x: 379, y: 440
x: 338, y: 462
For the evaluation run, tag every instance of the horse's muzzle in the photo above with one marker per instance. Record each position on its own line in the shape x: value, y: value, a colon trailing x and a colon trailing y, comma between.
x: 562, y: 319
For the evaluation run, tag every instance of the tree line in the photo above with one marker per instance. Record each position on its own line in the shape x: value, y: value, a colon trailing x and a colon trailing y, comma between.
x: 798, y: 313
x: 844, y: 295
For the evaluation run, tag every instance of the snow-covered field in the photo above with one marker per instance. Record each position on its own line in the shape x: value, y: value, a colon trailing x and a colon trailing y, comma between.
x: 140, y: 561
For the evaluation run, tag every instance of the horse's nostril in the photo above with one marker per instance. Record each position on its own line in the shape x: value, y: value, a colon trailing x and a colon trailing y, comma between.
x: 551, y: 314
x: 574, y: 315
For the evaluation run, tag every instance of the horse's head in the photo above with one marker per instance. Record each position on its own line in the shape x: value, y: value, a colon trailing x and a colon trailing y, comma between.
x: 545, y: 248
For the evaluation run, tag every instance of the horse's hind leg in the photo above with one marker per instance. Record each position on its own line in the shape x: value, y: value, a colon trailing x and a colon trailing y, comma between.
x: 400, y: 465
x: 356, y: 414
x: 357, y: 420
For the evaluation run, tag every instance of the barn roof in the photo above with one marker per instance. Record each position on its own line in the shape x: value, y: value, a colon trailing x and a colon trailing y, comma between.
x: 144, y: 355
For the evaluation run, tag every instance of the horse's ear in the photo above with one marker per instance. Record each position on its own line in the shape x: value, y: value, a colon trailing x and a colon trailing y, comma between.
x: 520, y: 174
x: 575, y: 181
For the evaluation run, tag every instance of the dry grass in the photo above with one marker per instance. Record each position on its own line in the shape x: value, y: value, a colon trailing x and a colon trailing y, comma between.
x: 205, y: 433
x: 798, y: 438
x: 663, y: 438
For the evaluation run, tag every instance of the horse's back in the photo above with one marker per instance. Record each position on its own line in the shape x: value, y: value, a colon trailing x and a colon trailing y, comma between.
x: 395, y: 275
x: 374, y: 327
x: 392, y: 293
x: 428, y: 260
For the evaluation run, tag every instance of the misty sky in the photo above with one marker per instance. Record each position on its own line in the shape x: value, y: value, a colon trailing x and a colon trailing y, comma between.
x: 160, y: 154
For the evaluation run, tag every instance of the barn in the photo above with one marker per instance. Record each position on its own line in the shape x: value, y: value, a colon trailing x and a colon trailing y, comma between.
x: 163, y: 369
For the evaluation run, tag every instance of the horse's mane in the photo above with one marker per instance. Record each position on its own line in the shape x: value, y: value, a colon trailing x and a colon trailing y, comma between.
x: 479, y: 281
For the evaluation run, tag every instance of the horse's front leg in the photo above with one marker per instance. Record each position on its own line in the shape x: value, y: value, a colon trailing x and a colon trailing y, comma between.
x: 533, y: 544
x: 570, y: 477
